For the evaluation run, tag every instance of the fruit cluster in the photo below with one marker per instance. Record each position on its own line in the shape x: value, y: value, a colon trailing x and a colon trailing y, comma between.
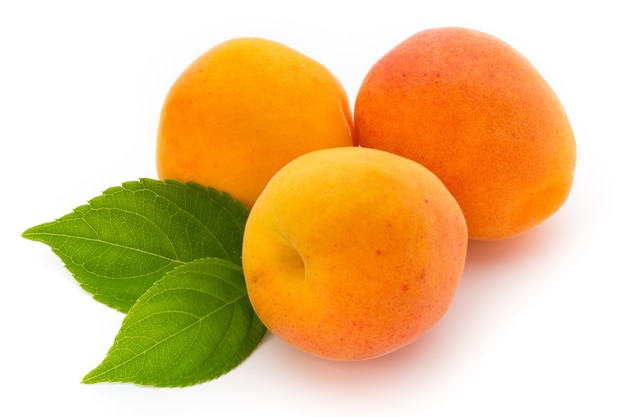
x: 359, y: 226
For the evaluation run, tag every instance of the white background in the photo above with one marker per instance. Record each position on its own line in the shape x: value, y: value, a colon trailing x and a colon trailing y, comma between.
x: 537, y: 326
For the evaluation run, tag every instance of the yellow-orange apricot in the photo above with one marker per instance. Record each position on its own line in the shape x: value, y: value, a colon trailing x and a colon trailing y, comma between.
x: 475, y: 112
x: 244, y: 109
x: 351, y: 253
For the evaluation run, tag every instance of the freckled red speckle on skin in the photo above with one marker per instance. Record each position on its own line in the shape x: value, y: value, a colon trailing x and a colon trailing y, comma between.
x: 405, y: 287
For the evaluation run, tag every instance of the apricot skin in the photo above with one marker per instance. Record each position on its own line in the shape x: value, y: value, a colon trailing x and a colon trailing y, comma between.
x: 476, y: 113
x: 245, y: 108
x: 352, y: 253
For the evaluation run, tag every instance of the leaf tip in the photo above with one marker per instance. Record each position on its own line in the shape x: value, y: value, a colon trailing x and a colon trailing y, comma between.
x: 25, y: 233
x: 93, y: 377
x: 32, y: 232
x: 87, y: 380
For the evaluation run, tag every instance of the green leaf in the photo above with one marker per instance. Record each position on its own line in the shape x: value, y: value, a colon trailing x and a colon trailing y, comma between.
x: 120, y: 243
x: 193, y: 325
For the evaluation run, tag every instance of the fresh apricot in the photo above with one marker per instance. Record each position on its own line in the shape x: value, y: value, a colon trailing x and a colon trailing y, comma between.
x: 244, y: 109
x: 351, y: 253
x: 474, y: 111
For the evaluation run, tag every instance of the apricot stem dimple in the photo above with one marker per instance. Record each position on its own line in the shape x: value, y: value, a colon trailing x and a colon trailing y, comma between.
x: 290, y: 256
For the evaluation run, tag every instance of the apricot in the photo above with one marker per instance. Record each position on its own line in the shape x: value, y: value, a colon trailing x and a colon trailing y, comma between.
x: 245, y: 108
x: 475, y: 112
x: 351, y: 253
